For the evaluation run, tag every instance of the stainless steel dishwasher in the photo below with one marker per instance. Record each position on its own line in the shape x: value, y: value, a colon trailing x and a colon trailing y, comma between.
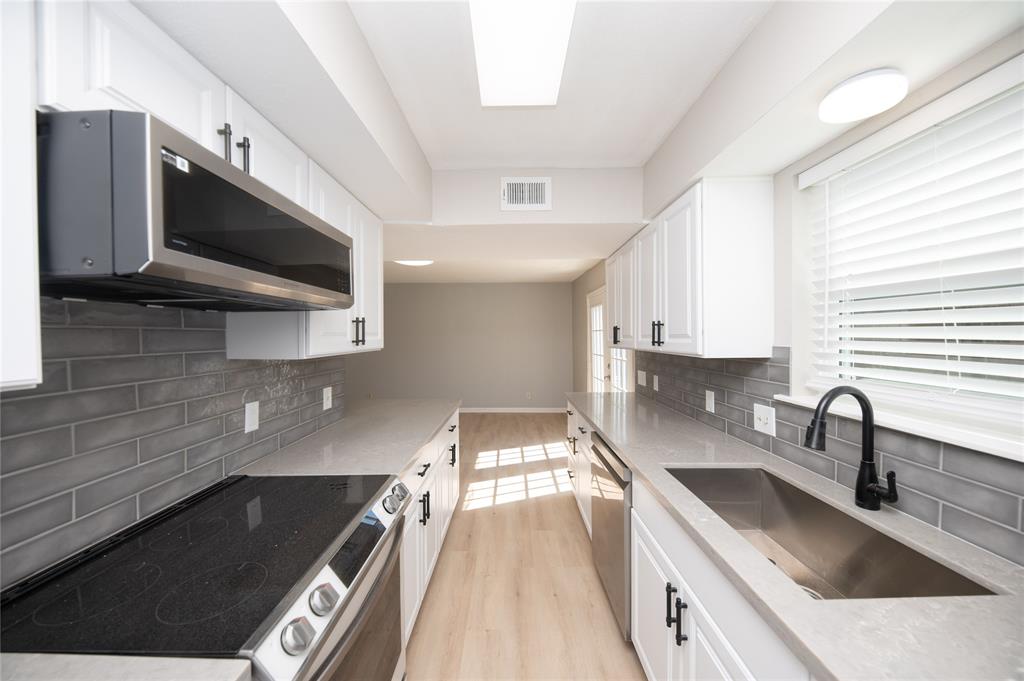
x: 611, y: 498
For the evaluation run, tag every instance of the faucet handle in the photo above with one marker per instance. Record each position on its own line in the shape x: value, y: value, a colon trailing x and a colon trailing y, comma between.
x: 891, y: 496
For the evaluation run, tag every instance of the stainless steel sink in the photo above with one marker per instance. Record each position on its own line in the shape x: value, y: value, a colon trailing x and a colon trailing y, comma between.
x: 825, y: 551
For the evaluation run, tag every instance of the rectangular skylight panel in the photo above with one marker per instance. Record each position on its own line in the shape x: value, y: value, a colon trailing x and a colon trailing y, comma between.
x: 520, y: 48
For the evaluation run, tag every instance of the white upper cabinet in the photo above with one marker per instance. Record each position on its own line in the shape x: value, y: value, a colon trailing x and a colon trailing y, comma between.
x: 108, y: 55
x: 619, y: 278
x: 272, y: 158
x: 703, y: 283
x: 321, y: 333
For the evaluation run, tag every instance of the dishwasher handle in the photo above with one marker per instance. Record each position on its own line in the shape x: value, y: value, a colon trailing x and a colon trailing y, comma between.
x: 610, y: 462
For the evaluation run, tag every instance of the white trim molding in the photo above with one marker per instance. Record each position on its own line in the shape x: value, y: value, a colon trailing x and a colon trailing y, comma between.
x: 989, y: 84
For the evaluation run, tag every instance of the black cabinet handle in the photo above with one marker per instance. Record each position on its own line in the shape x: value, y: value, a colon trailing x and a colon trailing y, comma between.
x: 583, y: 431
x: 571, y: 476
x: 669, y: 592
x: 654, y: 333
x: 451, y: 429
x: 615, y: 335
x: 423, y: 472
x: 426, y: 512
x: 452, y: 462
x: 428, y: 507
x: 355, y: 341
x: 658, y: 327
x: 680, y: 636
x: 362, y: 324
x: 244, y: 145
x: 569, y: 412
x: 225, y: 132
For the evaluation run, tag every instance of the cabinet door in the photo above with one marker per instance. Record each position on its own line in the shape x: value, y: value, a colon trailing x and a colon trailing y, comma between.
x: 412, y: 568
x: 612, y: 288
x: 273, y: 159
x: 627, y: 295
x: 370, y: 276
x: 679, y: 265
x: 432, y: 530
x: 653, y: 638
x: 708, y: 655
x: 330, y: 332
x: 108, y: 55
x: 646, y: 280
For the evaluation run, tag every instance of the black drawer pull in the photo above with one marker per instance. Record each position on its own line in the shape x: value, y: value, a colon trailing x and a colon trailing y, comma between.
x: 583, y: 430
x: 680, y: 636
x: 451, y: 429
x: 423, y: 472
x: 669, y: 592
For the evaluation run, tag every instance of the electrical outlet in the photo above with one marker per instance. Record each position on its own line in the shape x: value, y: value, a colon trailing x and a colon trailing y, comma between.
x: 764, y: 419
x: 655, y: 382
x: 529, y: 396
x: 641, y: 378
x: 252, y: 416
x: 327, y: 398
x: 709, y: 401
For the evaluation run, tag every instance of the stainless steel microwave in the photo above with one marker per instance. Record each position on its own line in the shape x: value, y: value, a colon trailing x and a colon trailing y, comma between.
x: 132, y: 210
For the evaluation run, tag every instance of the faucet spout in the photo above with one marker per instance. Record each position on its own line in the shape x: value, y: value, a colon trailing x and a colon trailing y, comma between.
x: 868, y: 493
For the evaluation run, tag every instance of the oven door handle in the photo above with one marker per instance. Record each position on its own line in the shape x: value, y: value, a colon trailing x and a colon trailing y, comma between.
x: 341, y: 649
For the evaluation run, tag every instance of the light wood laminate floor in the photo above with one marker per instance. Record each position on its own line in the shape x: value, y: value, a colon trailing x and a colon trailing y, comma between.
x: 515, y: 594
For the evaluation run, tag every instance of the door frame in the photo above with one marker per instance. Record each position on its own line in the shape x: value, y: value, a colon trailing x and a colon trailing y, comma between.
x: 601, y: 293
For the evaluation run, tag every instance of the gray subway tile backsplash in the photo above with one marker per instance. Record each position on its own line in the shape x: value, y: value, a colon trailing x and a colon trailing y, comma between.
x: 139, y: 408
x: 973, y: 495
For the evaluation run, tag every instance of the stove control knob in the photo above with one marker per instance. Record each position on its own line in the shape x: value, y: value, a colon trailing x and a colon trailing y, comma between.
x: 297, y: 635
x: 400, y: 491
x: 323, y: 599
x: 391, y: 503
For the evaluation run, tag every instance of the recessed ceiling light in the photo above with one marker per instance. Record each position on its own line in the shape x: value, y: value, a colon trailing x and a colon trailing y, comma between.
x: 862, y: 96
x: 520, y: 49
x: 415, y: 263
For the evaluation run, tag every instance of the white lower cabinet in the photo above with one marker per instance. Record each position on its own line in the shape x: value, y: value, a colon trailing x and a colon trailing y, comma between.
x: 718, y: 636
x: 580, y: 462
x: 427, y: 518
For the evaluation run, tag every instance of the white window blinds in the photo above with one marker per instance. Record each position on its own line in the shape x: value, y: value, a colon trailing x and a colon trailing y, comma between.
x: 918, y: 257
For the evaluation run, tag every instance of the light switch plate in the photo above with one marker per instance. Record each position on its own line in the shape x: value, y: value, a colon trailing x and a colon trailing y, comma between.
x: 641, y: 378
x: 252, y: 416
x: 327, y: 398
x: 655, y: 382
x: 709, y: 401
x: 764, y: 419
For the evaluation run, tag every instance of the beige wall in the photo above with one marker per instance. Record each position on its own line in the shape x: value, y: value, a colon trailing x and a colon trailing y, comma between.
x: 589, y: 281
x: 486, y: 344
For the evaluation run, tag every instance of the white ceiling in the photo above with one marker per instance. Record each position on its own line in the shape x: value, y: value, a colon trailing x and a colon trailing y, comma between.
x: 499, y: 253
x: 631, y: 71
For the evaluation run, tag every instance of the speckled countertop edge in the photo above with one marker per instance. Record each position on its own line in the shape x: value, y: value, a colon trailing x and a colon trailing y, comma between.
x: 970, y: 637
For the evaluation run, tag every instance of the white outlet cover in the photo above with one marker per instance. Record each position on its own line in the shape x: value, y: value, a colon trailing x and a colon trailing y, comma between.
x: 252, y: 416
x: 655, y: 382
x: 764, y: 419
x: 709, y: 401
x: 327, y: 398
x: 641, y: 378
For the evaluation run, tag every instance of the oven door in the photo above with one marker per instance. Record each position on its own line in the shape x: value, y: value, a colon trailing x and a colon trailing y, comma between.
x: 367, y: 643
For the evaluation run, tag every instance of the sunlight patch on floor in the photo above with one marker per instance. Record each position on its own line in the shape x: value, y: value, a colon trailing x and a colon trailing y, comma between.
x: 497, y: 458
x: 512, y: 488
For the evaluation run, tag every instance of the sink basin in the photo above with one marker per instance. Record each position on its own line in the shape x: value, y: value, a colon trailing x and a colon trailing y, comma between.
x: 825, y: 551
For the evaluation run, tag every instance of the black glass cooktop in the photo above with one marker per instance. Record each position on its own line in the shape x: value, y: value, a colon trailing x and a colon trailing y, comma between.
x: 200, y: 579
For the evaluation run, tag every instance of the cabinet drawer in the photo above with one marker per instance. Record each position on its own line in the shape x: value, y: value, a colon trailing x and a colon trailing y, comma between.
x: 722, y: 607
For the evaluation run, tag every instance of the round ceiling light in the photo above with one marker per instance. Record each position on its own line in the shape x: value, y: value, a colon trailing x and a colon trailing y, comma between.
x: 863, y: 96
x: 415, y: 263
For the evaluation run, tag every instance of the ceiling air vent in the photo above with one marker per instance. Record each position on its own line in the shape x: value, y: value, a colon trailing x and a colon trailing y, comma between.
x: 526, y: 193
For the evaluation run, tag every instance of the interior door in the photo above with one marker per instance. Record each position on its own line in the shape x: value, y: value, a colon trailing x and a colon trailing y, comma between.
x: 679, y: 264
x: 646, y: 243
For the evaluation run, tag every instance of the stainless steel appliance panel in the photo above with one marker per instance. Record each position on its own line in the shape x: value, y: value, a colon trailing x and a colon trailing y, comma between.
x: 610, y: 503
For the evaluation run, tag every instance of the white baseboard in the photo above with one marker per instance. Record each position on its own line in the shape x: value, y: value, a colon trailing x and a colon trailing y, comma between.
x: 511, y: 410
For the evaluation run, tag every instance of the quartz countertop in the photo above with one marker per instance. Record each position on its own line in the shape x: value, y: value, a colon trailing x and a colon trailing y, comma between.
x: 378, y: 436
x: 375, y: 436
x: 962, y: 637
x: 47, y: 667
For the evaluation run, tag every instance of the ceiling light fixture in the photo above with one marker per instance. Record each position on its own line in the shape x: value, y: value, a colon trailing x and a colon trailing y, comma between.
x: 862, y: 96
x: 520, y: 48
x: 415, y: 263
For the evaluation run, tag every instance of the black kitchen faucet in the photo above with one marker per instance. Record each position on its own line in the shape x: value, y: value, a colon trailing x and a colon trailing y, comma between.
x: 867, y: 493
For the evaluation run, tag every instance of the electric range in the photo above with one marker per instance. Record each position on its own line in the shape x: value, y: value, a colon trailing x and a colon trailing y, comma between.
x: 256, y: 567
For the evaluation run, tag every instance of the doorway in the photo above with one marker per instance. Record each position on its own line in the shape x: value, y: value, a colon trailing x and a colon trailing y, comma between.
x: 597, y: 364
